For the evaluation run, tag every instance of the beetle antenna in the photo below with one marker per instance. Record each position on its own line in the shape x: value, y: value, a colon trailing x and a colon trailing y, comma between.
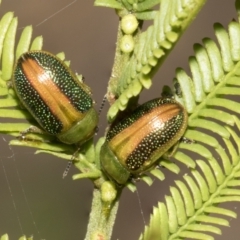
x: 69, y: 165
x: 102, y: 104
x: 100, y: 110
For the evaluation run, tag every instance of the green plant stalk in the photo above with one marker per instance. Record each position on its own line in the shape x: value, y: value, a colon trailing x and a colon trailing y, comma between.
x: 102, y: 217
x: 117, y: 66
x: 101, y: 222
x: 120, y: 61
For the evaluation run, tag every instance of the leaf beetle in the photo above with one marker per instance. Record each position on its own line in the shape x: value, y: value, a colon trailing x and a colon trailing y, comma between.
x: 134, y: 144
x: 60, y: 103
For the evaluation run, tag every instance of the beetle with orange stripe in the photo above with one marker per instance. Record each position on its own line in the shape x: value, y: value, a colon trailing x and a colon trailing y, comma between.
x: 55, y: 97
x: 134, y: 144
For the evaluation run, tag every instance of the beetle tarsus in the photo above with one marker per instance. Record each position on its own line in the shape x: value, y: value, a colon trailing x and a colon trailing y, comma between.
x: 187, y: 140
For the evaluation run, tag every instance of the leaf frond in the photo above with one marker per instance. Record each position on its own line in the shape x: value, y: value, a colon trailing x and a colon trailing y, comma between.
x: 10, y: 105
x: 210, y: 96
x: 151, y: 48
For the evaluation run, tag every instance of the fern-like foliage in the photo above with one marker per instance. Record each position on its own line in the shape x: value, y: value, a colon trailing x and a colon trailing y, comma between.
x: 12, y: 109
x: 214, y: 124
x: 151, y: 48
x: 130, y: 74
x: 209, y: 96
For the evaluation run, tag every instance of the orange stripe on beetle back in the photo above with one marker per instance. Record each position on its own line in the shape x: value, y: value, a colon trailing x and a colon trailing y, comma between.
x: 42, y: 82
x: 127, y: 140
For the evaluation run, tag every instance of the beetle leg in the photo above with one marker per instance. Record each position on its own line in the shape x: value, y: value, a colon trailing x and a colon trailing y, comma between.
x: 173, y: 149
x: 170, y: 152
x: 31, y: 129
x: 187, y: 140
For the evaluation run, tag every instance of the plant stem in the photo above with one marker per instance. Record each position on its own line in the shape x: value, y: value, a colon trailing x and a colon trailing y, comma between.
x: 102, y: 217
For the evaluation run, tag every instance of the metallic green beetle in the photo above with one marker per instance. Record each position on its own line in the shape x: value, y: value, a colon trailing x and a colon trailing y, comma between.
x: 55, y: 97
x: 134, y: 144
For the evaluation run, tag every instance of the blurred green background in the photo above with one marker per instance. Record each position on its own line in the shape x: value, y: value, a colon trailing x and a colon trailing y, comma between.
x: 60, y: 207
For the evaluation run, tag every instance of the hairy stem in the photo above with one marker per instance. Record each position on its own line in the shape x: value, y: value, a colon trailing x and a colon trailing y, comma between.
x: 102, y: 217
